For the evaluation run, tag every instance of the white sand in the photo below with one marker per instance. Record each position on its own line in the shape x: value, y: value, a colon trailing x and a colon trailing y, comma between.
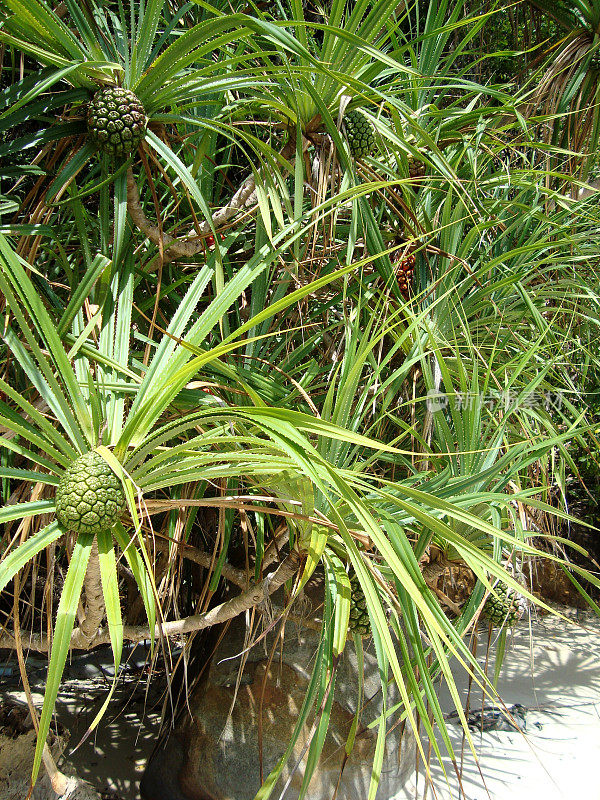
x: 552, y: 668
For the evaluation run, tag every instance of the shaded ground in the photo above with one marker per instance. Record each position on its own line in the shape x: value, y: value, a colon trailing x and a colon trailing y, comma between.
x: 552, y: 670
x: 113, y: 757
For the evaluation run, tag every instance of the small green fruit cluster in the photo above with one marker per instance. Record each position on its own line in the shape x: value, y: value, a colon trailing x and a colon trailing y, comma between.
x: 359, y: 133
x: 416, y: 168
x: 505, y: 607
x: 116, y: 121
x: 359, y: 616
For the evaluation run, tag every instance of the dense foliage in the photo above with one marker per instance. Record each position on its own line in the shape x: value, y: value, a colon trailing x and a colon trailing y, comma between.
x: 318, y: 288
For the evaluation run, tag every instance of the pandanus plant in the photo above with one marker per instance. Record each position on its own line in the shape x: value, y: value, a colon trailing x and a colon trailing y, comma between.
x: 105, y: 446
x: 322, y: 425
x: 103, y: 440
x: 566, y: 90
x: 129, y: 87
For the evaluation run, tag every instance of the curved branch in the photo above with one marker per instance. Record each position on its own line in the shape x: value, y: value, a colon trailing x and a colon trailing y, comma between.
x: 221, y: 613
x: 203, y: 559
x: 173, y: 248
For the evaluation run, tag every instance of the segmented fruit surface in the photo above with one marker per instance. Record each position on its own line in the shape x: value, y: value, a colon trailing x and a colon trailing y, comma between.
x: 89, y: 497
x: 359, y: 616
x: 359, y: 133
x: 506, y: 607
x: 116, y: 121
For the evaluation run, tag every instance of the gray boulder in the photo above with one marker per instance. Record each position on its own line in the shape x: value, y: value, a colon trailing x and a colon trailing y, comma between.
x: 214, y: 752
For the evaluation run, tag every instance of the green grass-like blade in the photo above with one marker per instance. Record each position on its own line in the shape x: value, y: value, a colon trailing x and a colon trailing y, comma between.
x: 22, y: 511
x: 63, y: 628
x: 29, y: 475
x: 21, y: 286
x: 81, y: 293
x: 110, y: 591
x: 138, y: 567
x: 17, y: 558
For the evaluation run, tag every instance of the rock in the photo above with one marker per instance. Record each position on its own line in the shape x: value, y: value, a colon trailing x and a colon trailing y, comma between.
x: 214, y: 754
